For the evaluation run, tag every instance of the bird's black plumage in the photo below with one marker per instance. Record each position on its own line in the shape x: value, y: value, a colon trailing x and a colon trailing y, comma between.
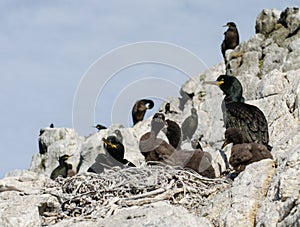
x: 190, y: 125
x: 100, y: 127
x: 139, y: 109
x: 237, y: 114
x: 114, y: 157
x: 168, y: 109
x: 231, y: 38
x: 62, y: 169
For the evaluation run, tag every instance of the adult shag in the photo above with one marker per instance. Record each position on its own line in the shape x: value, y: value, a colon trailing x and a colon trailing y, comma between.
x: 62, y: 169
x: 114, y: 157
x: 237, y: 114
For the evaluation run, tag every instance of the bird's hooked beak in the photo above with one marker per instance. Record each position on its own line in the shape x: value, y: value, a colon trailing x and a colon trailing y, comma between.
x: 225, y: 144
x: 226, y: 25
x: 108, y: 143
x: 218, y: 83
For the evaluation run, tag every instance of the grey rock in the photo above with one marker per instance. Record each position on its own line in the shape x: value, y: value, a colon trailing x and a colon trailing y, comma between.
x: 265, y: 194
x: 266, y: 21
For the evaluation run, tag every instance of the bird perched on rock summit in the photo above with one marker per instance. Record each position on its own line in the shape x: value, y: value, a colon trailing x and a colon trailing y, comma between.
x: 231, y: 38
x: 237, y: 114
x: 139, y: 109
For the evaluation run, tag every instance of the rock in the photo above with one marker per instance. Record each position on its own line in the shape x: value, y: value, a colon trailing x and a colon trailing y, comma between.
x: 266, y: 21
x: 155, y: 214
x: 290, y: 18
x: 265, y: 194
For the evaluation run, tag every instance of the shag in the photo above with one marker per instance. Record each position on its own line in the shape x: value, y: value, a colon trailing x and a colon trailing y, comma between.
x: 231, y: 38
x: 168, y: 109
x: 139, y: 109
x: 196, y: 160
x: 190, y: 125
x: 114, y: 157
x: 51, y: 125
x: 99, y: 127
x: 195, y: 143
x: 242, y: 154
x: 151, y: 147
x: 173, y: 133
x: 237, y: 114
x: 62, y: 169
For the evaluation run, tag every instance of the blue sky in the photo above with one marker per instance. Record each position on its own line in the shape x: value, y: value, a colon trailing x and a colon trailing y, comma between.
x: 47, y: 46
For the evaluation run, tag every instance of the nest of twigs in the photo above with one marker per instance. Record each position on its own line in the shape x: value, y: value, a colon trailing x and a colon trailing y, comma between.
x: 95, y: 196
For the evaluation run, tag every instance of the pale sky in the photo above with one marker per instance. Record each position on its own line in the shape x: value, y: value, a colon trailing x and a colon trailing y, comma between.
x: 47, y: 46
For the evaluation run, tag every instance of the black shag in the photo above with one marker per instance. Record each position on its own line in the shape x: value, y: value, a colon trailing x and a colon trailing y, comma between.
x: 173, y: 133
x: 231, y: 38
x: 139, y: 109
x: 237, y: 114
x: 114, y: 157
x: 242, y: 154
x: 168, y: 109
x: 190, y: 125
x: 62, y: 169
x: 99, y: 127
x: 51, y: 125
x: 151, y: 147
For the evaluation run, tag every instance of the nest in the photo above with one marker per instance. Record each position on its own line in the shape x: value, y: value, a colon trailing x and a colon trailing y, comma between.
x: 94, y: 196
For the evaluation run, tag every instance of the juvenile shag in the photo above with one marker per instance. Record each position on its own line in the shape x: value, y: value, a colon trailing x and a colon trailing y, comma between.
x: 99, y: 127
x: 168, y: 109
x: 114, y: 157
x: 231, y: 38
x: 139, y: 109
x: 151, y: 147
x: 242, y: 154
x: 237, y: 114
x: 196, y: 160
x: 173, y: 133
x: 62, y: 169
x: 190, y: 125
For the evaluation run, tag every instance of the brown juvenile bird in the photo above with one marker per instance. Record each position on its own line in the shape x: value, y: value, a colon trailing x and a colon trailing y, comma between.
x: 139, y: 109
x: 173, y: 133
x: 153, y: 148
x: 231, y: 38
x: 242, y: 154
x: 196, y: 160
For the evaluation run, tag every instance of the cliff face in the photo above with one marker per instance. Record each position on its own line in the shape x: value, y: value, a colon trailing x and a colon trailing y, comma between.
x: 266, y: 193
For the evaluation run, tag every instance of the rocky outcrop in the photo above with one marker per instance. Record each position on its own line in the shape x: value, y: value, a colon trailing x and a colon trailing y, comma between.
x: 265, y: 194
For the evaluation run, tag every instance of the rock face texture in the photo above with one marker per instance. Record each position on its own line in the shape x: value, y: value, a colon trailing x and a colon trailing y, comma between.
x: 267, y: 193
